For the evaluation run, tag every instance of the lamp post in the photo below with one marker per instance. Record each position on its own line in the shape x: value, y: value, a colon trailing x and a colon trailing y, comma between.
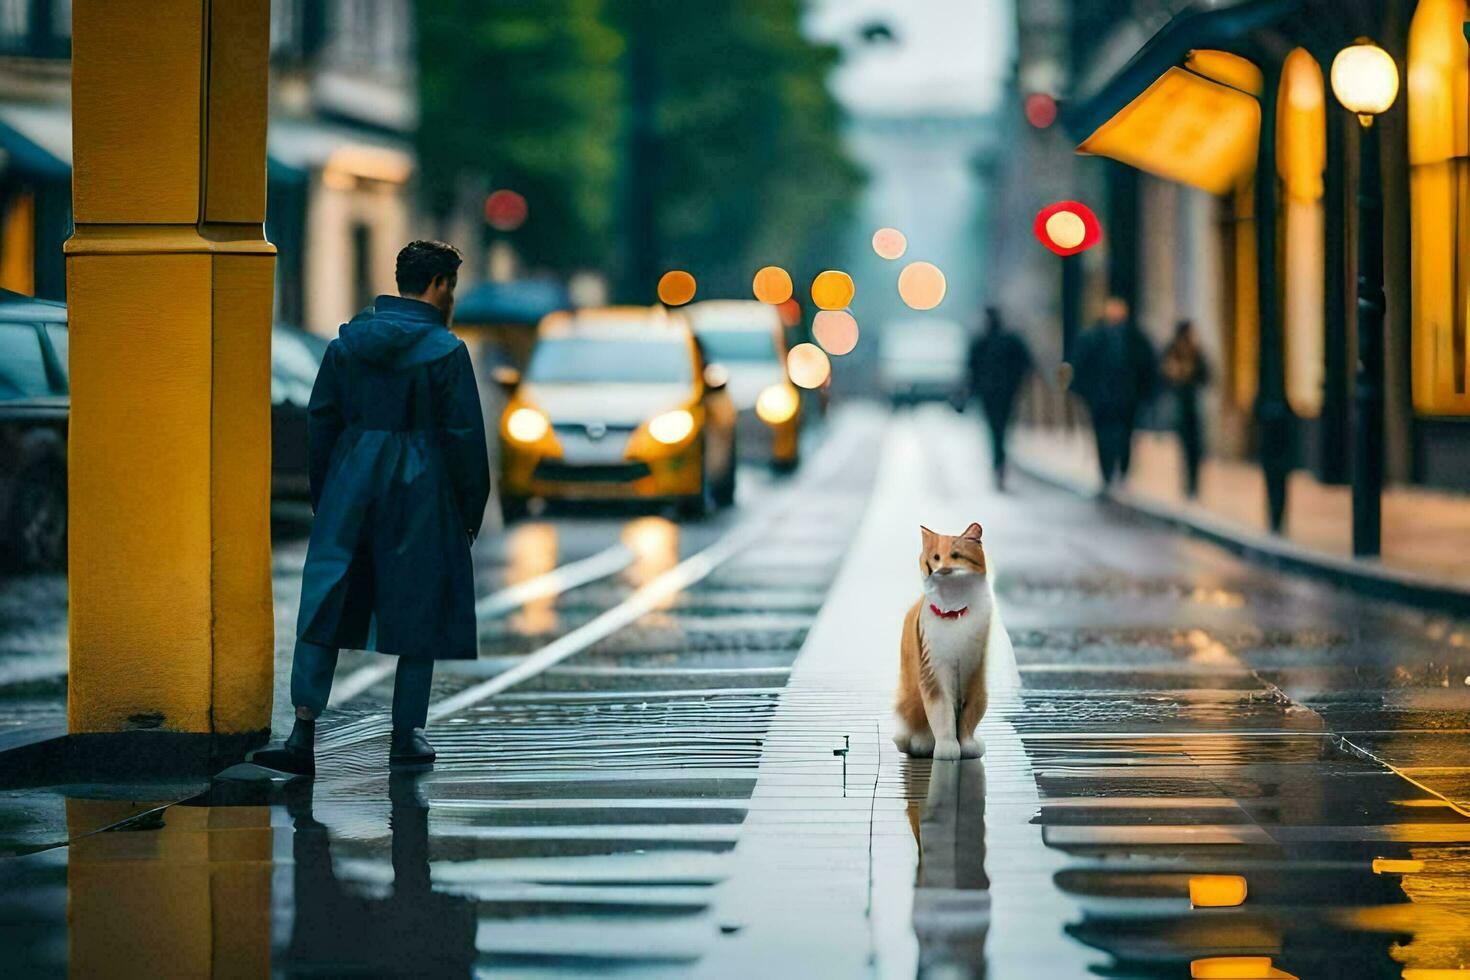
x: 1366, y: 81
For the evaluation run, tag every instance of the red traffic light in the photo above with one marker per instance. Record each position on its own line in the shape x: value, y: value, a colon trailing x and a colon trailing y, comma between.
x: 1040, y: 109
x: 1067, y: 227
x: 505, y: 210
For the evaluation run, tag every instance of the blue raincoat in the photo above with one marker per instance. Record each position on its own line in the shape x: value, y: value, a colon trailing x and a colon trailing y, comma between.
x: 399, y: 481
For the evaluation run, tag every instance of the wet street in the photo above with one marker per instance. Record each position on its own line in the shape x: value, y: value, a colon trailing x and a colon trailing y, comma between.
x: 672, y: 758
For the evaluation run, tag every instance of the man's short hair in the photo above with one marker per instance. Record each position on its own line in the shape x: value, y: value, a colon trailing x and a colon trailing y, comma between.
x: 421, y: 261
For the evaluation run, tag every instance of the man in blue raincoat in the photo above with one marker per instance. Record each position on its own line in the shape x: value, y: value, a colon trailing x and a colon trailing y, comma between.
x: 399, y: 481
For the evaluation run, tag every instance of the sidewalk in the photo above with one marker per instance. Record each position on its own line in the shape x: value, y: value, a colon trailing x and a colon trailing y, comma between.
x: 1426, y: 534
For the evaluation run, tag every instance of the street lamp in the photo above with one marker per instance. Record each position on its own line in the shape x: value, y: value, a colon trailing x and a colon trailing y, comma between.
x: 1366, y: 81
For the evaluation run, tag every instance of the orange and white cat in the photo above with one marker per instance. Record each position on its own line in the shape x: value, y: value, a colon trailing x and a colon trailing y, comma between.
x: 941, y: 676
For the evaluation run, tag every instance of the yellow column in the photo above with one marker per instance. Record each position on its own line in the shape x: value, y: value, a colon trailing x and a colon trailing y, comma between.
x: 169, y: 280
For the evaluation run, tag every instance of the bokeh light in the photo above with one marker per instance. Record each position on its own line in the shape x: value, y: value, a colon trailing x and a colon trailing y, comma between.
x: 676, y: 288
x: 772, y: 285
x: 890, y: 243
x: 807, y: 366
x: 832, y: 290
x: 836, y: 331
x: 921, y: 285
x: 1066, y: 228
x: 790, y: 313
x: 505, y: 210
x: 1040, y: 109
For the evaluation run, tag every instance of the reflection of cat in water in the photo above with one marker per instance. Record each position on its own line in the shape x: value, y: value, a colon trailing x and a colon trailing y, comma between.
x: 941, y: 679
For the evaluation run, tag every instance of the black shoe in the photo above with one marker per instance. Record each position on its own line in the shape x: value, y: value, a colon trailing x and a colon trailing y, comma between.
x: 296, y: 755
x: 410, y: 748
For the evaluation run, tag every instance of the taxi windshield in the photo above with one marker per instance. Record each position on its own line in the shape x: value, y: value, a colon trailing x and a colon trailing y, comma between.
x: 738, y: 345
x: 570, y: 360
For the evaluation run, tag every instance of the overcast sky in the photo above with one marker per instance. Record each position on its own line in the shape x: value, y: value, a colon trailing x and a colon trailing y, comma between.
x: 948, y: 56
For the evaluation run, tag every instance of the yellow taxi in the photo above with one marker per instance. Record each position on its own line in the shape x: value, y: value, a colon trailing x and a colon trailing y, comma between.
x: 617, y: 403
x: 748, y: 340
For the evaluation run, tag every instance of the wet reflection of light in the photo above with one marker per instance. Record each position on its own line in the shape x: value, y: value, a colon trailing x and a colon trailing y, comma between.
x: 1235, y: 968
x: 832, y: 290
x: 1436, y: 880
x: 836, y: 331
x: 772, y: 285
x: 807, y: 366
x: 1208, y: 650
x: 654, y: 542
x: 921, y: 285
x: 676, y: 288
x: 532, y: 552
x: 1216, y: 891
x: 890, y: 243
x: 1393, y: 866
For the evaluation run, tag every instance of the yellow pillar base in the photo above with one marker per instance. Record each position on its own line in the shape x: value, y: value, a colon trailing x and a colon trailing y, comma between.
x: 169, y: 280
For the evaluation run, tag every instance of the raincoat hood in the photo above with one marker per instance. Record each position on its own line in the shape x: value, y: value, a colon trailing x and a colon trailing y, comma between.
x: 396, y: 333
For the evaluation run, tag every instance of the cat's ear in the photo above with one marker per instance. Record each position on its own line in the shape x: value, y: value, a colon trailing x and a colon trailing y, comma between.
x: 926, y: 535
x: 973, y: 532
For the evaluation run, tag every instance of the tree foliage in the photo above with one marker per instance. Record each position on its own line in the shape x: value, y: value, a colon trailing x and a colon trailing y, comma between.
x: 645, y: 134
x: 527, y: 93
x: 746, y: 167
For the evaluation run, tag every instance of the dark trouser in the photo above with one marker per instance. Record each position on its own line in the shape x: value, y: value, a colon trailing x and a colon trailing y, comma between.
x: 998, y: 417
x: 1191, y: 441
x: 312, y: 668
x: 1113, y: 430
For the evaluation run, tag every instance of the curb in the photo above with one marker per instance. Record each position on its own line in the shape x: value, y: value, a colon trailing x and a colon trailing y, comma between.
x: 1367, y: 578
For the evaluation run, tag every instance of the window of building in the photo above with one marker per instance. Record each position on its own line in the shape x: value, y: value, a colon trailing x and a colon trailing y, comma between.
x: 1301, y: 157
x: 1439, y: 189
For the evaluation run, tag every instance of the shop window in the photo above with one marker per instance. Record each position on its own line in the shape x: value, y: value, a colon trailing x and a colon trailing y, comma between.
x: 1301, y: 156
x: 1245, y: 353
x: 1439, y: 188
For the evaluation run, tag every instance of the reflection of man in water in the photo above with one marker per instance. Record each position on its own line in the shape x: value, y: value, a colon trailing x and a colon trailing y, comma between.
x: 414, y: 931
x: 952, y: 893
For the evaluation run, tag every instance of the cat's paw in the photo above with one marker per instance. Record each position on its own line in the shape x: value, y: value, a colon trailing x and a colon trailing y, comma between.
x: 921, y: 745
x: 946, y: 751
x: 972, y: 748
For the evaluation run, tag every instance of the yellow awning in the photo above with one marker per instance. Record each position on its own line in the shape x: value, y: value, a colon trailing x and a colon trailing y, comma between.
x: 1187, y: 128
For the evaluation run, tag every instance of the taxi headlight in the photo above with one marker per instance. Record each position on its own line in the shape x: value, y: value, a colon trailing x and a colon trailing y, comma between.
x: 671, y: 428
x: 777, y: 404
x: 527, y: 425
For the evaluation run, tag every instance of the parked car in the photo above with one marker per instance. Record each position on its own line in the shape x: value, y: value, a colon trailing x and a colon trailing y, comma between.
x: 617, y: 403
x: 295, y: 357
x: 747, y: 338
x: 923, y: 360
x: 34, y: 405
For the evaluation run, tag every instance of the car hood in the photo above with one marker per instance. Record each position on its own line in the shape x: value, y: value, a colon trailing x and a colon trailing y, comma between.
x: 747, y: 381
x: 611, y: 404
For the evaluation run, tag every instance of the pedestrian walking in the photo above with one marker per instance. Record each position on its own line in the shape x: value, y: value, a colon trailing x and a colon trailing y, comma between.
x: 399, y: 480
x: 1113, y: 370
x: 1185, y: 371
x: 999, y: 362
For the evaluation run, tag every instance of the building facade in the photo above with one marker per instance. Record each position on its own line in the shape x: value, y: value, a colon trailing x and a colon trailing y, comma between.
x: 1180, y: 124
x: 341, y: 162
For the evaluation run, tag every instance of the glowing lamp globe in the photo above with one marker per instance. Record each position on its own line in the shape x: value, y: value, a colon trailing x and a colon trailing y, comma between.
x: 1067, y: 227
x: 1365, y: 79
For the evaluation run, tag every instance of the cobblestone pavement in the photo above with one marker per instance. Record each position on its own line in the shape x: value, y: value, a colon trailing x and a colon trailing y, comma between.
x: 673, y: 758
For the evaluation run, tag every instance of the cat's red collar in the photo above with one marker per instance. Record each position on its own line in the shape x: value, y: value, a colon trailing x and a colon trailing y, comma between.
x: 952, y: 614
